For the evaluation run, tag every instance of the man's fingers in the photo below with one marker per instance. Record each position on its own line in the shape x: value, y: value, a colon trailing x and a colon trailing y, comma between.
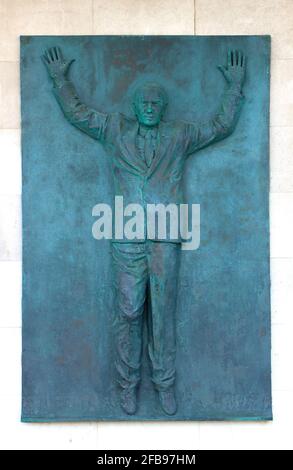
x: 236, y: 58
x: 59, y: 52
x: 70, y: 63
x: 47, y: 56
x: 229, y: 61
x: 55, y: 53
x: 52, y: 54
x: 45, y: 60
x: 222, y: 68
x: 233, y: 58
x: 240, y: 56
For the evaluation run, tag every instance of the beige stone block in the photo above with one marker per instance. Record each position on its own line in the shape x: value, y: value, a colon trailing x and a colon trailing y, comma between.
x: 9, y: 95
x: 282, y: 353
x: 143, y: 17
x: 252, y: 435
x: 10, y: 228
x: 281, y: 229
x: 10, y: 361
x: 10, y: 161
x: 10, y: 298
x: 42, y: 436
x: 281, y: 159
x: 148, y: 435
x: 237, y: 17
x: 282, y: 291
x: 41, y: 17
x: 281, y: 93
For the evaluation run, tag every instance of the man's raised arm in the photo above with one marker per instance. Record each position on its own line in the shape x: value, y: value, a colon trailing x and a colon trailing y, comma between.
x: 86, y: 119
x: 224, y: 121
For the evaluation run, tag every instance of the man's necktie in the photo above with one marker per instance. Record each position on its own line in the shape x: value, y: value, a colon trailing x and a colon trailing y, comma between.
x: 149, y: 147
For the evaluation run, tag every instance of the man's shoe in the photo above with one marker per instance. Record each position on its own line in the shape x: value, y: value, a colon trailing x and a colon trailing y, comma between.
x: 168, y: 401
x: 128, y: 400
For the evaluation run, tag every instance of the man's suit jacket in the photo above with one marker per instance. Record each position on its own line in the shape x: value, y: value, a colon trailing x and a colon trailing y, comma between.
x: 161, y: 182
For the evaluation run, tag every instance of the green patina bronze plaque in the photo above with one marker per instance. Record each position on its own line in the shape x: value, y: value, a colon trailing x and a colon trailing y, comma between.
x: 145, y: 228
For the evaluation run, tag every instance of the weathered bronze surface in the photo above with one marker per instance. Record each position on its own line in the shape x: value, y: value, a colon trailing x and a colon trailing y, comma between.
x: 148, y: 162
x: 139, y: 329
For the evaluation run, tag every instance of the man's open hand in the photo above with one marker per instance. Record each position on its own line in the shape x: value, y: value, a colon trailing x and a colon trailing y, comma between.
x: 56, y: 64
x: 234, y: 72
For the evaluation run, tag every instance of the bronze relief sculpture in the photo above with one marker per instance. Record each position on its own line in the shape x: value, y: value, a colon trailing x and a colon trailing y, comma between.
x: 148, y: 156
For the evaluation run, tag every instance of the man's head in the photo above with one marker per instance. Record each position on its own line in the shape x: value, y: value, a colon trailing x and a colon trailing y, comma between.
x: 149, y: 103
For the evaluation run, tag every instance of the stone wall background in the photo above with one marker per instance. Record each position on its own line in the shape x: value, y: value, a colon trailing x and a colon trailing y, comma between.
x: 203, y: 17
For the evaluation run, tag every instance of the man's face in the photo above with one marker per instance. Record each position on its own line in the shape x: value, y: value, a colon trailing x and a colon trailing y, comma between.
x: 149, y: 107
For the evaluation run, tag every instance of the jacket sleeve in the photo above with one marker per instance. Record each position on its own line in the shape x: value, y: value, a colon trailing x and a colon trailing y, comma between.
x: 97, y: 125
x: 197, y: 136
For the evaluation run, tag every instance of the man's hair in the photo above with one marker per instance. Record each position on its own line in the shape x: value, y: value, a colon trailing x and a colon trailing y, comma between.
x: 148, y: 86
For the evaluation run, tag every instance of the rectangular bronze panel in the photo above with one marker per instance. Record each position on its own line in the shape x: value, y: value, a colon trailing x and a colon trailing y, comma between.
x: 222, y: 320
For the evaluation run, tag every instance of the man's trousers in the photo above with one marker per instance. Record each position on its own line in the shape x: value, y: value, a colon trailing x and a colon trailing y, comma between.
x: 145, y: 284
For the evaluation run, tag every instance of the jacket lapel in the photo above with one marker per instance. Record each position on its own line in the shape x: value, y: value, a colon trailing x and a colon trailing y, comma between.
x: 131, y: 155
x: 161, y: 147
x: 129, y: 150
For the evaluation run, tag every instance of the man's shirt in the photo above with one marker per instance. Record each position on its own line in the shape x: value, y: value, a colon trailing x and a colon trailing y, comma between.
x: 146, y: 143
